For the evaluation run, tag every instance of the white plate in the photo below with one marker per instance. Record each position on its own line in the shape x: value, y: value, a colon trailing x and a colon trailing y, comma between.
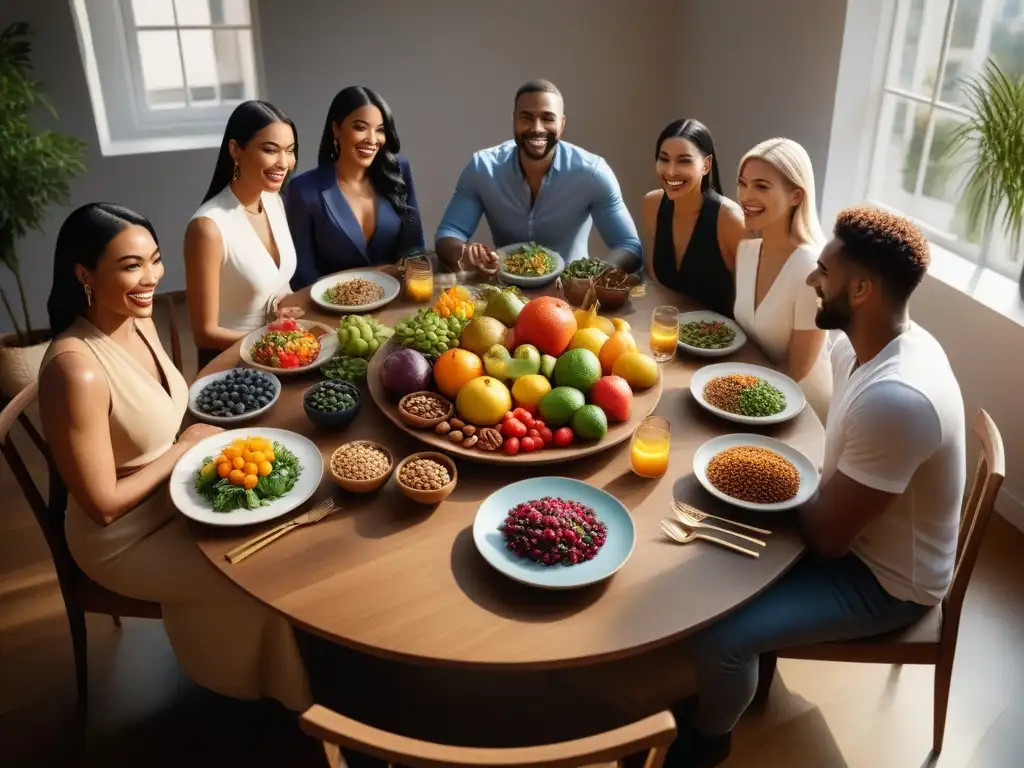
x: 529, y: 282
x: 191, y: 504
x: 200, y: 384
x: 795, y: 398
x: 328, y: 348
x: 706, y: 316
x: 390, y: 285
x: 808, y: 472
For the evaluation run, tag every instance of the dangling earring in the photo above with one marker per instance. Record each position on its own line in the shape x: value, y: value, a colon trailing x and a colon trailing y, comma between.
x: 336, y: 149
x: 236, y: 174
x: 88, y: 296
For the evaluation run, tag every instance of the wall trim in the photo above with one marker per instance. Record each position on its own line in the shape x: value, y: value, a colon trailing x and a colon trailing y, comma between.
x: 1010, y: 507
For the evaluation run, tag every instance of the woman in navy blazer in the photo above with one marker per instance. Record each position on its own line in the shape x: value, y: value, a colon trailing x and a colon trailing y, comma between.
x: 357, y: 208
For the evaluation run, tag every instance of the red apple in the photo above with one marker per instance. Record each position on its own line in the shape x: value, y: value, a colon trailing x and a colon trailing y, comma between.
x: 612, y: 395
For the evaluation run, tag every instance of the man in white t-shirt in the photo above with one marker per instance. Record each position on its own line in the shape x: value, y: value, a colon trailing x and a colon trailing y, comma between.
x: 882, y: 530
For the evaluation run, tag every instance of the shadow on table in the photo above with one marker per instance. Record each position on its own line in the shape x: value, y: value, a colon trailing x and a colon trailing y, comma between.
x: 507, y: 598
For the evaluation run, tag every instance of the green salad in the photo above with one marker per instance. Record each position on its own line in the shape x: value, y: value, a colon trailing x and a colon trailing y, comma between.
x: 705, y: 334
x: 263, y: 477
x: 529, y: 260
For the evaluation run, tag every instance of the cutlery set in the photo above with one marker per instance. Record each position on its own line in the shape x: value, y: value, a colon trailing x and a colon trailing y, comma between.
x: 688, y: 522
x: 316, y: 513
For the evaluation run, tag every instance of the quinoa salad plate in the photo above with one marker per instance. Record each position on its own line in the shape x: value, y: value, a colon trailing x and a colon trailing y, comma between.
x: 755, y: 472
x: 747, y: 394
x: 354, y: 291
x: 709, y: 334
x: 554, y: 532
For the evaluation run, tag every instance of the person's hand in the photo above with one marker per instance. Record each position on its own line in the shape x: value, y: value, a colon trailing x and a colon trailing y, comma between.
x: 292, y: 312
x: 479, y: 257
x: 197, y: 432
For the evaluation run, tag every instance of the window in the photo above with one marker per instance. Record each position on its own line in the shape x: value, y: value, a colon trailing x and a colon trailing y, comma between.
x: 165, y: 74
x: 936, y: 45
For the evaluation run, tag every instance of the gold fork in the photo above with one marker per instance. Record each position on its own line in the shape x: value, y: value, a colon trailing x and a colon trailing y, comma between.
x: 690, y: 521
x: 696, y: 514
x: 315, y: 514
x: 679, y: 533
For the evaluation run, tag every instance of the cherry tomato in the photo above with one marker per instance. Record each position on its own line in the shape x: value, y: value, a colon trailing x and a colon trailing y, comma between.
x: 533, y: 433
x: 546, y: 435
x: 510, y: 446
x: 513, y: 428
x: 563, y: 436
x: 527, y: 444
x: 522, y: 414
x: 508, y: 415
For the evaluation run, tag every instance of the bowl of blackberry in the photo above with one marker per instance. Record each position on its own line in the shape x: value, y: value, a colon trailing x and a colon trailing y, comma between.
x: 233, y: 396
x: 332, y: 404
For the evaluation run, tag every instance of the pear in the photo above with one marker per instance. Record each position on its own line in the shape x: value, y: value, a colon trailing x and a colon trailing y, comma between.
x: 505, y: 307
x: 481, y: 334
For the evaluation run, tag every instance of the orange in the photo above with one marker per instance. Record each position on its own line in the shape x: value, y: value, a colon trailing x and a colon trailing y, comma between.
x: 617, y: 344
x: 454, y: 368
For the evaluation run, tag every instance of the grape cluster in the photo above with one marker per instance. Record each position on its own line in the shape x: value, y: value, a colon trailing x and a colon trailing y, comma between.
x: 361, y: 336
x: 553, y: 531
x: 429, y: 333
x: 241, y: 391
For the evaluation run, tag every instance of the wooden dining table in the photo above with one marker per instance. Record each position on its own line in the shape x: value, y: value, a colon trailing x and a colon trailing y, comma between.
x: 397, y: 580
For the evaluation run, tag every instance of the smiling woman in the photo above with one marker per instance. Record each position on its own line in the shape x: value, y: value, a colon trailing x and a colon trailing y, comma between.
x: 239, y: 255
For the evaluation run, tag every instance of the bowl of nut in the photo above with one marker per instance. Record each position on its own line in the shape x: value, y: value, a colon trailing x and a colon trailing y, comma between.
x: 614, y: 286
x: 427, y: 477
x: 361, y: 466
x: 333, y: 403
x: 424, y: 410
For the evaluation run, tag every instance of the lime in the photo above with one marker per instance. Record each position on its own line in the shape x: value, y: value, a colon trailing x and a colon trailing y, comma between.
x: 558, y: 405
x: 577, y: 368
x: 590, y: 423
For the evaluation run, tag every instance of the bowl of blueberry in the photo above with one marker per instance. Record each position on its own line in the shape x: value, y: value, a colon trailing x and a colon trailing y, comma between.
x: 233, y: 396
x: 333, y: 403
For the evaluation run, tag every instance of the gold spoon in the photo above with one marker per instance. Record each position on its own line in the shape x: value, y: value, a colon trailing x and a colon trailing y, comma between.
x: 682, y: 535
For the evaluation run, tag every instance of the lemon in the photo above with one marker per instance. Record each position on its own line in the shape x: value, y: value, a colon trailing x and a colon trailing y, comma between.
x: 528, y: 390
x: 588, y: 338
x: 638, y: 369
x: 483, y: 401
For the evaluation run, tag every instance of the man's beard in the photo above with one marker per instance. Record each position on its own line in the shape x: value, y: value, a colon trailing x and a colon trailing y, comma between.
x: 523, y: 139
x: 835, y: 313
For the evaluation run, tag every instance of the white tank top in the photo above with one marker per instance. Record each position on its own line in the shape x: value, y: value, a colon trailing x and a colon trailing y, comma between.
x: 249, y: 278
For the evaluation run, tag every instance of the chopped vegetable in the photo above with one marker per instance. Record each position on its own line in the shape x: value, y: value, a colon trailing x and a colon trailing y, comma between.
x: 529, y: 260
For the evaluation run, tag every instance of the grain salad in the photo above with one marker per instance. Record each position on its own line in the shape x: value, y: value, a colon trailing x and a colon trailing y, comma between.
x: 744, y: 395
x: 753, y: 474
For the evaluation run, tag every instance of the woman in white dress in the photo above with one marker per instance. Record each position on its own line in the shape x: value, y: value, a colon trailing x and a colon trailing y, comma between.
x: 239, y: 255
x: 774, y: 304
x: 114, y: 403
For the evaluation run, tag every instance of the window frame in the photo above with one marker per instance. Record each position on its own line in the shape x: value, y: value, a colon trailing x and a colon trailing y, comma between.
x: 125, y: 122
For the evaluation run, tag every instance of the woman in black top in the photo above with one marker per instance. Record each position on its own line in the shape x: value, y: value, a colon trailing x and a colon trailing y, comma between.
x: 693, y: 228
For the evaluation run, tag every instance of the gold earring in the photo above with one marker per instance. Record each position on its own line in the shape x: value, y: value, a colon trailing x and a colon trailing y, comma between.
x: 88, y: 296
x: 337, y: 148
x: 236, y: 174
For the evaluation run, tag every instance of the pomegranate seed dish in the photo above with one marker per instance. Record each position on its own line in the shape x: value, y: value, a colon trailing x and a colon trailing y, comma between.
x: 554, y: 531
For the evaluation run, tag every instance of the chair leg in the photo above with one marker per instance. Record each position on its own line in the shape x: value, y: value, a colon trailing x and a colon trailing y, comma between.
x: 767, y: 662
x: 943, y: 678
x: 76, y: 619
x: 117, y: 620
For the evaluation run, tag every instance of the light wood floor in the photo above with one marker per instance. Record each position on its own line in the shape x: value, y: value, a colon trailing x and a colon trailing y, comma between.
x: 144, y: 712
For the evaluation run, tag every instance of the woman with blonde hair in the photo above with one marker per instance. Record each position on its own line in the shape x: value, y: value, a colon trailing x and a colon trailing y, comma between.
x: 774, y: 304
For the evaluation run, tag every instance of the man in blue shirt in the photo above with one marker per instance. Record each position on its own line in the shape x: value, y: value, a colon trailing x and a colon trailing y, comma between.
x: 536, y: 188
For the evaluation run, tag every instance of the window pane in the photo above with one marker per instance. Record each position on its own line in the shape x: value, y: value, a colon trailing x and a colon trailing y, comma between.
x: 943, y: 204
x: 917, y: 44
x: 193, y: 13
x: 235, y: 64
x: 983, y: 29
x: 897, y: 152
x: 235, y: 11
x: 161, y: 69
x: 152, y: 13
x: 200, y: 64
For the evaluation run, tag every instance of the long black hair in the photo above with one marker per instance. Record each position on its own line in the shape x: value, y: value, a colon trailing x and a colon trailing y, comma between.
x: 248, y: 119
x: 694, y: 131
x: 384, y: 173
x: 84, y: 236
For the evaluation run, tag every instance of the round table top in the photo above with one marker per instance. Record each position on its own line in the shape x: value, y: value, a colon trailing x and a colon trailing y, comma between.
x: 391, y: 578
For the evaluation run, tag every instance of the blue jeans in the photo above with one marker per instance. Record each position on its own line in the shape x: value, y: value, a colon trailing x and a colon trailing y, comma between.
x: 814, y: 603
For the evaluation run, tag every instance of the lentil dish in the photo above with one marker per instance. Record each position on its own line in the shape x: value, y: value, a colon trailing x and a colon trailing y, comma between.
x: 353, y: 293
x: 753, y: 474
x: 744, y: 395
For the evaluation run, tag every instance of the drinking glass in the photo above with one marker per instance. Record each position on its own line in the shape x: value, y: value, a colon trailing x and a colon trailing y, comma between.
x: 649, y: 447
x: 664, y: 333
x: 419, y: 280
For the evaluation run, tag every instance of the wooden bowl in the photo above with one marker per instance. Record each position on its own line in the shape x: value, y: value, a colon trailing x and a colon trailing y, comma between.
x: 419, y: 422
x: 428, y: 497
x: 362, y: 486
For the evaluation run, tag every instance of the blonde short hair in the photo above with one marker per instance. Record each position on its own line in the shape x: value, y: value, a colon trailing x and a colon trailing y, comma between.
x: 792, y: 161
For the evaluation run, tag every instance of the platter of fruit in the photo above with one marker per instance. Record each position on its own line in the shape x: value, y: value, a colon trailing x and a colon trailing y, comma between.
x: 241, y: 477
x: 747, y: 394
x: 529, y: 265
x: 709, y: 334
x: 289, y: 346
x: 540, y: 385
x: 355, y: 290
x: 554, y: 532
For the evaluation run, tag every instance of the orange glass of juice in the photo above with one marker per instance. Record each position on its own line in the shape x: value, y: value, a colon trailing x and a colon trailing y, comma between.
x: 664, y: 333
x: 649, y: 448
x: 419, y: 280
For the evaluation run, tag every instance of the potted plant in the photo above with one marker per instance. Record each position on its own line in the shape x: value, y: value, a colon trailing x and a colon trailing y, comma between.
x: 36, y: 167
x: 994, y: 137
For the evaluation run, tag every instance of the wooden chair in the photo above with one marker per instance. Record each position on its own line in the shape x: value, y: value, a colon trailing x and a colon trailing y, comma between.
x: 81, y: 594
x: 653, y: 734
x: 931, y: 640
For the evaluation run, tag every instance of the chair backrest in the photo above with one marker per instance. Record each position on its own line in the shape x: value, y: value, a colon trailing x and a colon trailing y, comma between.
x: 988, y: 479
x: 653, y: 734
x: 49, y: 510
